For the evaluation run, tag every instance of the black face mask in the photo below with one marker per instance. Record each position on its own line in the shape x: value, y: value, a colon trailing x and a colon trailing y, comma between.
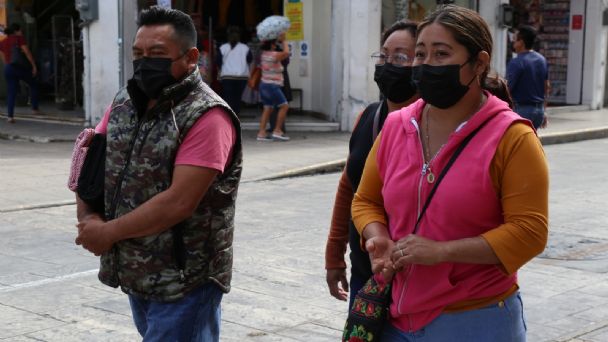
x: 395, y: 83
x: 440, y: 85
x: 153, y: 74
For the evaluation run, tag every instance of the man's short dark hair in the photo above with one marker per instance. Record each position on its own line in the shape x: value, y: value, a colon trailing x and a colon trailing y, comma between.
x: 527, y: 33
x: 185, y: 32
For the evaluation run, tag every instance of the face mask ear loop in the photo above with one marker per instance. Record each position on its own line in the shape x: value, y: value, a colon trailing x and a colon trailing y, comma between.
x: 474, y: 77
x: 179, y: 135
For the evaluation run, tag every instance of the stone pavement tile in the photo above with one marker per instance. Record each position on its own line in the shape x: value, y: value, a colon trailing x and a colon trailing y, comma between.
x: 569, y: 323
x: 37, y: 298
x: 597, y: 314
x: 268, y: 313
x: 90, y: 331
x: 105, y: 320
x: 236, y: 332
x: 15, y: 322
x: 600, y: 335
x: 598, y: 288
x: 541, y: 333
x: 312, y: 332
x: 24, y: 276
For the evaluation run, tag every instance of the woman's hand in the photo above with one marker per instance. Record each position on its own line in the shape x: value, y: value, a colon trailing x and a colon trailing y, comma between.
x: 337, y: 283
x: 380, y: 249
x: 414, y: 249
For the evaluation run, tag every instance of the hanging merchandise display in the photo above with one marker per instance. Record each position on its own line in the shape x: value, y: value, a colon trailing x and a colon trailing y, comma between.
x: 554, y: 46
x: 551, y: 19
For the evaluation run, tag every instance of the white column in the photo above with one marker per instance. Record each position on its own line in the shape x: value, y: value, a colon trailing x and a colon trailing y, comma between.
x: 360, y: 37
x: 490, y: 10
x: 594, y: 66
x: 100, y: 61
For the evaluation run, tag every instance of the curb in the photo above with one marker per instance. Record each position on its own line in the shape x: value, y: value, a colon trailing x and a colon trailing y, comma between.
x: 327, y: 167
x: 42, y: 140
x: 338, y: 165
x: 574, y: 135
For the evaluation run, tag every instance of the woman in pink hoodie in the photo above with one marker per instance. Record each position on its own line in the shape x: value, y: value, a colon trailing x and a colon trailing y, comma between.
x: 454, y: 277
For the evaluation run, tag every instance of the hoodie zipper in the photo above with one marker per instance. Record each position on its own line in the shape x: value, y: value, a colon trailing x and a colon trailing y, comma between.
x: 423, y: 171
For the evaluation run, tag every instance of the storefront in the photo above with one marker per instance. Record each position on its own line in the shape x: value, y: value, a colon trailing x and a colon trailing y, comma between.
x: 52, y: 33
x: 573, y: 39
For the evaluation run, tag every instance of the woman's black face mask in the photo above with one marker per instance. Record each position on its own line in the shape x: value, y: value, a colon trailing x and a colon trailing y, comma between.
x: 439, y: 85
x: 394, y: 82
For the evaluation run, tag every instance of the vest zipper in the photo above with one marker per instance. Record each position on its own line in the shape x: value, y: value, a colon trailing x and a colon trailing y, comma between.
x: 121, y: 177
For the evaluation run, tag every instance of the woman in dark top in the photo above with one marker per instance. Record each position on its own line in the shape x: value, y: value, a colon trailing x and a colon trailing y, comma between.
x: 393, y: 76
x: 16, y: 69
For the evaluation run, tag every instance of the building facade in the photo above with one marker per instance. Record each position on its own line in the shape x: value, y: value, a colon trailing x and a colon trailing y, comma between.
x: 331, y: 64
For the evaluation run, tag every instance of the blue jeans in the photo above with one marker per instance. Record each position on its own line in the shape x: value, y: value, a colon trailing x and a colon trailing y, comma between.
x: 501, y: 322
x: 533, y: 112
x: 195, y: 317
x: 13, y: 75
x: 272, y: 95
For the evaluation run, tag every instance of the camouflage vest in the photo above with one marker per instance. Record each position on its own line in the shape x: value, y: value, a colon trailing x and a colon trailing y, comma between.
x: 140, y: 155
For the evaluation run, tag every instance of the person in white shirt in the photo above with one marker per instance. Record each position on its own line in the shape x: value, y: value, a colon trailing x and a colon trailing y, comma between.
x: 233, y: 61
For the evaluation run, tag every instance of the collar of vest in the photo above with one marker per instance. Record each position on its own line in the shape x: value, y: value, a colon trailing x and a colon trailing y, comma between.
x: 172, y: 94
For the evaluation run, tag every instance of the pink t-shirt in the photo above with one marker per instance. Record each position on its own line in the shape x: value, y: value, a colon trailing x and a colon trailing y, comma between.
x: 208, y: 143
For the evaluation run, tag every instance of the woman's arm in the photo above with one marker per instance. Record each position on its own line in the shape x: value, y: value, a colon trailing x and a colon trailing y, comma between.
x: 369, y: 215
x: 519, y: 171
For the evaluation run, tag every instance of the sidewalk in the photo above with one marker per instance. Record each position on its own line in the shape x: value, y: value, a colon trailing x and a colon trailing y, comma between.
x: 305, y: 153
x: 279, y: 293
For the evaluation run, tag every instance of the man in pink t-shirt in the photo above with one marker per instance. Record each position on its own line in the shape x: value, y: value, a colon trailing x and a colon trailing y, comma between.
x: 171, y: 171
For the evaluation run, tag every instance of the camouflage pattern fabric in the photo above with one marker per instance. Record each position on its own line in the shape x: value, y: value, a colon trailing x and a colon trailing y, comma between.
x: 140, y: 156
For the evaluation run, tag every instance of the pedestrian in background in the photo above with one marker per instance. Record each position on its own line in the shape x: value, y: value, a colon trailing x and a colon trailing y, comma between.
x: 393, y: 77
x: 19, y: 65
x: 270, y: 88
x: 527, y: 77
x: 172, y: 170
x: 451, y: 246
x: 233, y: 61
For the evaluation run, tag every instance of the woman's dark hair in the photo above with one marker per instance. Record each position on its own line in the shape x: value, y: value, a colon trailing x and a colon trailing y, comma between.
x: 470, y: 30
x: 498, y: 86
x: 267, y: 45
x: 12, y: 28
x: 185, y: 32
x: 401, y: 25
x: 527, y: 33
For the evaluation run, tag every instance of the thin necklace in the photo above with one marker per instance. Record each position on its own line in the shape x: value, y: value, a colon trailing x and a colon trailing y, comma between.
x: 430, y: 177
x: 426, y: 169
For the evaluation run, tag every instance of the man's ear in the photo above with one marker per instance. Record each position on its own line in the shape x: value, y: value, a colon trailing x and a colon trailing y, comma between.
x: 192, y: 56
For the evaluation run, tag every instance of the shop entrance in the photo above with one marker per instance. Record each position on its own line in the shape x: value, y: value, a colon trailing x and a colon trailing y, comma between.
x: 560, y: 40
x: 52, y: 34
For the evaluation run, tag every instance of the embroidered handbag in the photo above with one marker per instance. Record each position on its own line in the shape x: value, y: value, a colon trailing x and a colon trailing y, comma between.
x: 369, y: 313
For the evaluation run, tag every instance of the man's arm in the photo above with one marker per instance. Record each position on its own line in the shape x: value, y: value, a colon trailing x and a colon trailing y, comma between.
x: 30, y: 58
x: 161, y: 212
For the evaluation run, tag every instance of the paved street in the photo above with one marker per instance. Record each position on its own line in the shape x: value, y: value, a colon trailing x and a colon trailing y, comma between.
x: 49, y: 290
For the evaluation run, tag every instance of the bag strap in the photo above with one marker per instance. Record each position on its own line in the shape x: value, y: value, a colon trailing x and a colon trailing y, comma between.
x: 376, y: 125
x: 461, y: 147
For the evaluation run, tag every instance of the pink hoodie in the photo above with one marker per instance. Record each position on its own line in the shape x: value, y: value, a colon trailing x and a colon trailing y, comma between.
x: 465, y: 205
